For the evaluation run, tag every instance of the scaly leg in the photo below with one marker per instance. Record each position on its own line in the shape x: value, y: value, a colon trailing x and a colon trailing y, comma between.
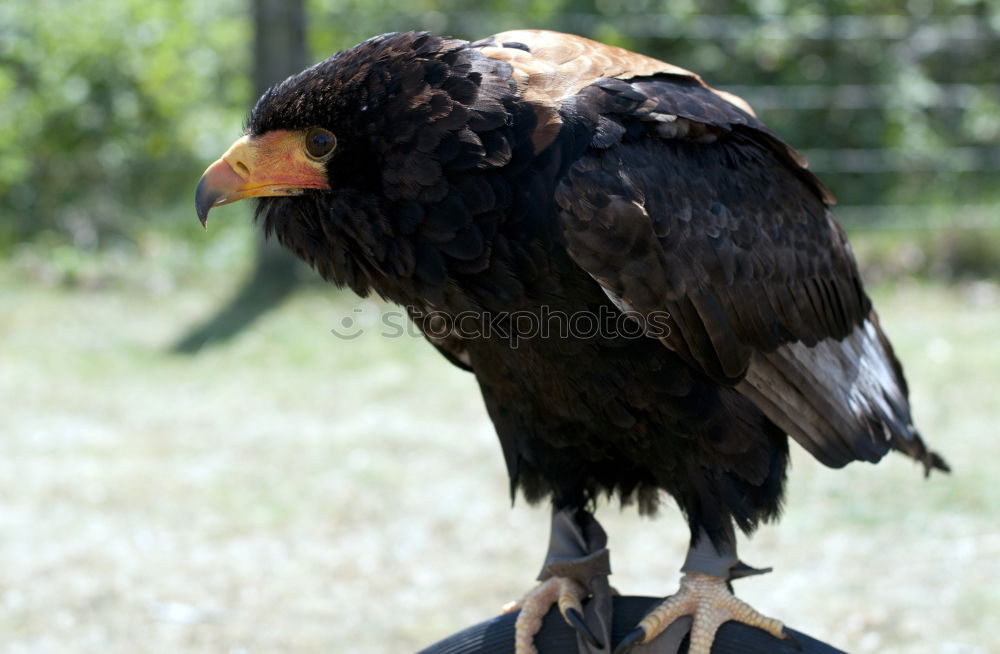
x: 576, y: 567
x: 705, y: 595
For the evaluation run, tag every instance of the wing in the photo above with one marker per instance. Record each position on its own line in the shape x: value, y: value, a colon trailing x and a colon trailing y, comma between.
x: 679, y: 200
x: 682, y: 202
x: 451, y: 347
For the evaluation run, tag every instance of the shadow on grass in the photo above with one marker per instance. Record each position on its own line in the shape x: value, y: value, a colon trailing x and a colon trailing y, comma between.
x: 274, y: 278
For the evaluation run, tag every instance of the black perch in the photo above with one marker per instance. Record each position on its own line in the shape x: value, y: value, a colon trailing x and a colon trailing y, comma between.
x: 496, y: 636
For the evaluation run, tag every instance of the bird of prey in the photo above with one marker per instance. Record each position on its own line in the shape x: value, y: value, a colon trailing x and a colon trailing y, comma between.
x: 522, y: 181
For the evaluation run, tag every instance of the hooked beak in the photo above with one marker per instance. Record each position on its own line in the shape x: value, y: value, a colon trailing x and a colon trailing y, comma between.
x: 274, y: 164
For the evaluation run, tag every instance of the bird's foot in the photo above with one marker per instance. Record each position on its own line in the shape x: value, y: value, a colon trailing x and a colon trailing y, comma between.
x: 710, y: 603
x: 567, y: 593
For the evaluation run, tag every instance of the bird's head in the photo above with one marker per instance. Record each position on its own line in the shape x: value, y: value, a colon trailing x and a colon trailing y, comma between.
x: 297, y: 129
x: 335, y: 125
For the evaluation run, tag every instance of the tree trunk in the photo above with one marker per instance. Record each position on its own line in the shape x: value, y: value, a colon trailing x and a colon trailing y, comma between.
x: 279, y: 50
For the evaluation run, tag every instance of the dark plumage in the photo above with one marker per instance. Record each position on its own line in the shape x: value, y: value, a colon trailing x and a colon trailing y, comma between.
x: 539, y: 172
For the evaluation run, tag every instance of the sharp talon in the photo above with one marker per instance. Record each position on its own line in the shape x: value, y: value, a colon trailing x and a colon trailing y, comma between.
x: 566, y: 594
x: 795, y: 641
x: 631, y: 640
x: 574, y: 618
x: 741, y: 570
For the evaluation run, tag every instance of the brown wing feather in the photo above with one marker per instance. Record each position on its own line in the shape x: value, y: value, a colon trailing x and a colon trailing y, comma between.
x: 552, y: 66
x: 556, y: 66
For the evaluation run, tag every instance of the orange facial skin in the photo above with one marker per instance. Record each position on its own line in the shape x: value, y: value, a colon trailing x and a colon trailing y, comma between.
x: 273, y: 164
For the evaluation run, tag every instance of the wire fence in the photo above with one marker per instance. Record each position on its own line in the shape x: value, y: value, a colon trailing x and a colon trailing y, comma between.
x: 880, y: 160
x: 857, y: 96
x: 959, y: 148
x: 930, y: 30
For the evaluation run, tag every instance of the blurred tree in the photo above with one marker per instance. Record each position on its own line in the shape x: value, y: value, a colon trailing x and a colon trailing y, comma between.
x: 279, y: 50
x: 104, y: 115
x: 110, y: 112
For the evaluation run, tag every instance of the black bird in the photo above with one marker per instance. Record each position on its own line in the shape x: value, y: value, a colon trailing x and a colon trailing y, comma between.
x: 647, y: 283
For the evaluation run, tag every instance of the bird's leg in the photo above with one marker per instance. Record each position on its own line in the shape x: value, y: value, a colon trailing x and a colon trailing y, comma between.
x: 564, y: 592
x: 705, y: 595
x: 576, y: 566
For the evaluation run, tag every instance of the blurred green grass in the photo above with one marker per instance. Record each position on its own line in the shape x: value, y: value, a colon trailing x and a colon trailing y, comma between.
x: 294, y: 492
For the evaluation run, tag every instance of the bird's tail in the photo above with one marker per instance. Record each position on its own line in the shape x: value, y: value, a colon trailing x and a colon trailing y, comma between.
x: 842, y: 400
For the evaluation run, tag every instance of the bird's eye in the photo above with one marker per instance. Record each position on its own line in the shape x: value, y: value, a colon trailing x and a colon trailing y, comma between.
x: 320, y: 143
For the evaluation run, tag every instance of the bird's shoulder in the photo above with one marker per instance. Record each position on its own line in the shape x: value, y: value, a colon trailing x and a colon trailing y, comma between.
x: 550, y: 68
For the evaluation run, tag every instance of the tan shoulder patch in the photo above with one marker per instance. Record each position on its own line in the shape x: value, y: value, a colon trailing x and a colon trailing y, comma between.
x: 559, y: 66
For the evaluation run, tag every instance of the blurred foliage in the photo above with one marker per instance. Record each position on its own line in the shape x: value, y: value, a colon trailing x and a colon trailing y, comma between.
x: 110, y: 109
x: 113, y: 108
